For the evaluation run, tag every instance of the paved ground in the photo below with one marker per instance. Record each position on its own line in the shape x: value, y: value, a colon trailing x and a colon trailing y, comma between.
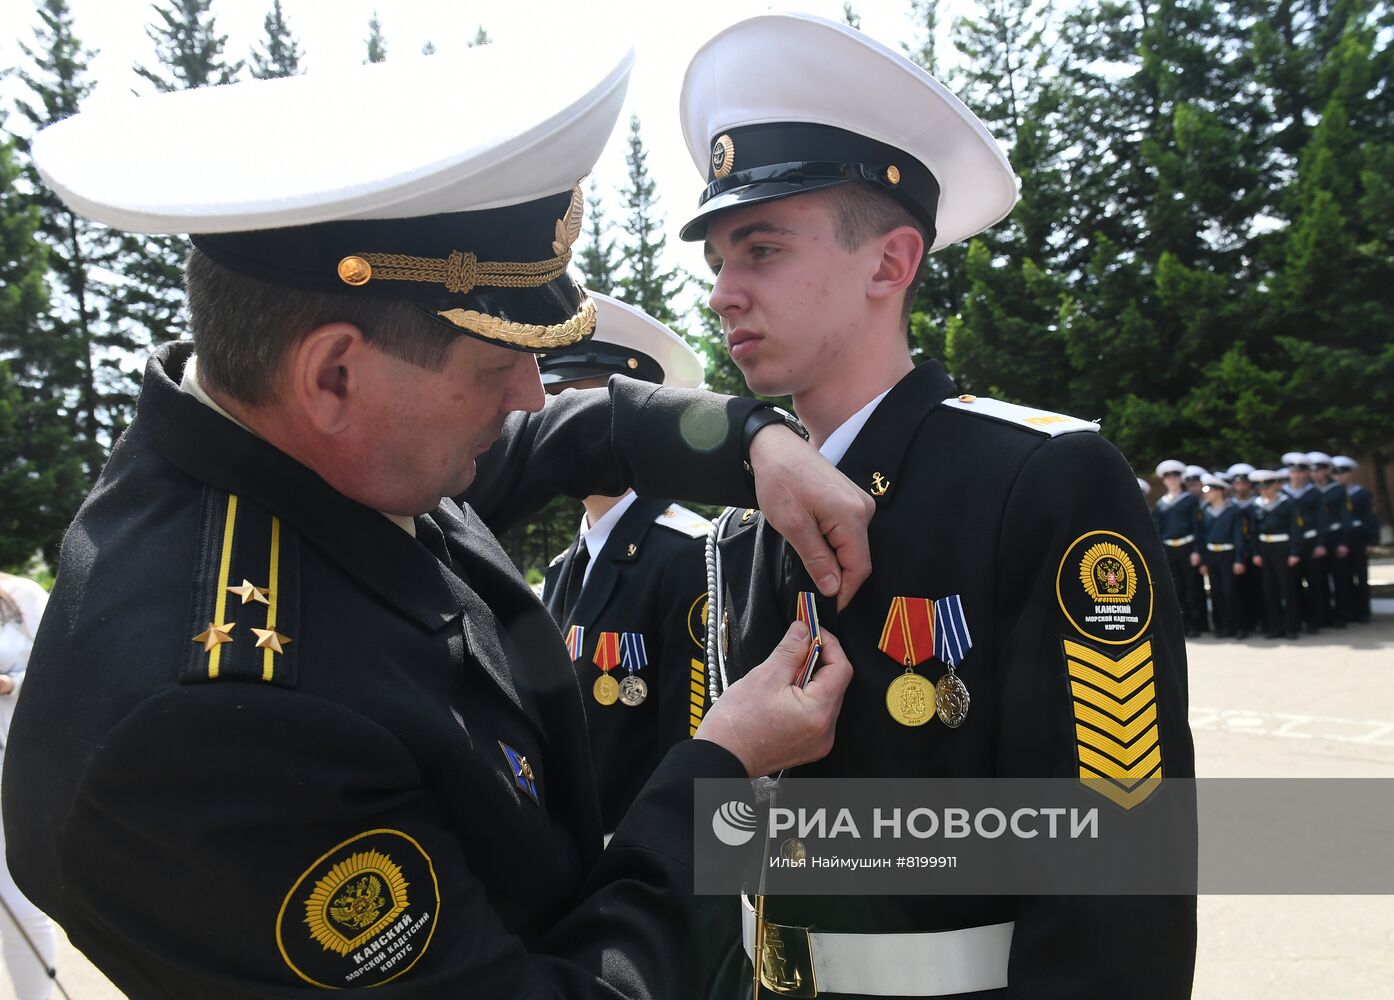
x: 1318, y: 707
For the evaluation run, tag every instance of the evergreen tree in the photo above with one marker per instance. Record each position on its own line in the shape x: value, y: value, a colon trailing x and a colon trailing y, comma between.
x: 1328, y: 308
x: 645, y: 283
x: 280, y: 53
x: 77, y: 362
x: 188, y: 46
x: 925, y: 15
x: 598, y: 260
x: 429, y: 48
x: 41, y: 472
x: 850, y: 17
x: 377, y: 45
x: 1005, y: 340
x: 149, y: 303
x: 481, y: 37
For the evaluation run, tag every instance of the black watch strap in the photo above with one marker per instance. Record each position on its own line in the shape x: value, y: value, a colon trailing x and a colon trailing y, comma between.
x: 758, y: 420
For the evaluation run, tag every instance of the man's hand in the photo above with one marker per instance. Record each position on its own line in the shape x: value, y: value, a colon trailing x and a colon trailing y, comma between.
x: 1294, y: 560
x: 767, y: 722
x: 1319, y: 552
x: 1239, y: 569
x: 1258, y: 561
x: 816, y: 508
x: 1342, y: 551
x: 1195, y: 558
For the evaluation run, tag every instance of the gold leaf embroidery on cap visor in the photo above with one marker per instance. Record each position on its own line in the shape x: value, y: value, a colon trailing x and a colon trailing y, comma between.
x: 534, y: 337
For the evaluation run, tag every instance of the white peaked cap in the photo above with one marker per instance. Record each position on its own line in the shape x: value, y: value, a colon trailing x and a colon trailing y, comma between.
x: 413, y: 137
x: 800, y: 68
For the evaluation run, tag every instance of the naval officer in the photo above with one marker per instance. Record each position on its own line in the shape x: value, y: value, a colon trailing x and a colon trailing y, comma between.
x: 328, y: 737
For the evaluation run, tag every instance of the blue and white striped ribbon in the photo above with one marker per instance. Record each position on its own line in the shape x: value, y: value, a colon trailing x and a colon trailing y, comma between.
x: 951, y: 638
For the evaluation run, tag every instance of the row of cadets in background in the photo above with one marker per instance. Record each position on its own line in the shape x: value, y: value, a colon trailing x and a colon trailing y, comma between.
x: 1296, y: 552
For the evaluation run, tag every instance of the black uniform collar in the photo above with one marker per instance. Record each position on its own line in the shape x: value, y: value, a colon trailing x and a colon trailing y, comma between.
x: 212, y: 449
x: 881, y: 445
x: 625, y: 544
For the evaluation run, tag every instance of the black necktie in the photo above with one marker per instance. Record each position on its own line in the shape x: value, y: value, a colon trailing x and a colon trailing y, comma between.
x: 429, y: 535
x: 575, y: 577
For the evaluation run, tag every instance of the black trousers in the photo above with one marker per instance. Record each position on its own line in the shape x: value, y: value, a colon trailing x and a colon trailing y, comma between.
x: 1360, y: 580
x: 1281, y: 590
x: 1226, y: 610
x: 1316, y: 599
x: 1248, y: 592
x: 1186, y: 580
x: 1342, y: 585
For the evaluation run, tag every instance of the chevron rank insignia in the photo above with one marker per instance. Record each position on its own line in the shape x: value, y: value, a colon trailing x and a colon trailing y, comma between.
x: 1115, y: 707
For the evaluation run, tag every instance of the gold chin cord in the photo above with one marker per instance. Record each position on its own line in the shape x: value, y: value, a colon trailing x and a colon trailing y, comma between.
x: 536, y: 338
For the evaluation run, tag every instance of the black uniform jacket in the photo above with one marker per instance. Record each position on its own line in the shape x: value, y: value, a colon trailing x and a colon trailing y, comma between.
x: 382, y: 778
x: 1311, y: 513
x: 650, y: 580
x: 1227, y: 527
x: 1009, y: 519
x: 1277, y: 518
x: 1178, y: 518
x: 1335, y: 499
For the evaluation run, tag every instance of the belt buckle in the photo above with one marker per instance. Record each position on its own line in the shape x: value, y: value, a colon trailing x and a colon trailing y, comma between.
x: 786, y: 961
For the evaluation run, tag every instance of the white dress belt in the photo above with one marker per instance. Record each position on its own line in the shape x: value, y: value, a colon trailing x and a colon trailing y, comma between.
x: 1218, y: 547
x: 1273, y: 538
x: 1310, y: 533
x: 931, y: 964
x: 1176, y: 543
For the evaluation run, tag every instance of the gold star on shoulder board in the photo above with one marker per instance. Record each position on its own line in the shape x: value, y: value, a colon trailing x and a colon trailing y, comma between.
x: 249, y: 592
x: 269, y: 638
x: 215, y: 635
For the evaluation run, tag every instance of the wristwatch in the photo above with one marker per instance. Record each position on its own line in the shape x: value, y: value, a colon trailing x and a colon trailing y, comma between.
x: 758, y: 421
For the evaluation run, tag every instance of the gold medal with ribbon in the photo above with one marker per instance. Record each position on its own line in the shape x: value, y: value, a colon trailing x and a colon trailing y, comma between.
x: 908, y: 639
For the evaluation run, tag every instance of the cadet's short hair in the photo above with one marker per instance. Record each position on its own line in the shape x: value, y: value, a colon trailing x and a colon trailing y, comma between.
x: 862, y: 211
x: 243, y: 327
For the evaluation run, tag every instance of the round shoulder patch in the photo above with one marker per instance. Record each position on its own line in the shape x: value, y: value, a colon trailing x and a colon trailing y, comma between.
x: 697, y: 621
x: 361, y: 915
x: 1104, y: 588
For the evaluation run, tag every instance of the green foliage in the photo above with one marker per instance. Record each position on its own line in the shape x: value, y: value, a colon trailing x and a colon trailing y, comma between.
x: 598, y: 259
x: 188, y: 46
x: 80, y: 359
x: 645, y: 282
x: 377, y: 45
x: 280, y: 53
x: 42, y: 478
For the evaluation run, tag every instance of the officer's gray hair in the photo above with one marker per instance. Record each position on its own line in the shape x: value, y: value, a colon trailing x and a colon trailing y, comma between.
x: 863, y: 211
x: 243, y: 327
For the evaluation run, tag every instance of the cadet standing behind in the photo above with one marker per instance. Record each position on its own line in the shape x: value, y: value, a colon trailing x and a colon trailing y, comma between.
x: 1278, y: 554
x: 1224, y: 552
x: 1311, y: 529
x: 328, y: 738
x: 1176, y: 516
x: 630, y: 592
x: 1336, y: 539
x: 832, y: 166
x: 1364, y: 536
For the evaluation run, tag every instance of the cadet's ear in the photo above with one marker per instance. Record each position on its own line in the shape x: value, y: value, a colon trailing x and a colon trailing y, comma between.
x: 902, y: 249
x: 324, y: 373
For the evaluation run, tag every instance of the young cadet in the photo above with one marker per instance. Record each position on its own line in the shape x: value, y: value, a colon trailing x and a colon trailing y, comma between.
x: 1311, y: 527
x: 1224, y: 553
x: 1014, y: 556
x: 630, y: 590
x: 1364, y: 536
x: 327, y: 736
x: 1249, y: 586
x: 1176, y: 516
x: 1336, y: 539
x: 1277, y: 555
